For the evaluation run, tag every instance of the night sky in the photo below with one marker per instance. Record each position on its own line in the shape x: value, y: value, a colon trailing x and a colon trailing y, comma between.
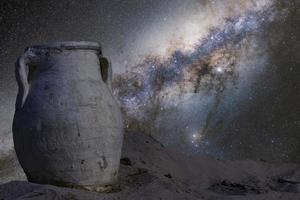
x: 207, y: 76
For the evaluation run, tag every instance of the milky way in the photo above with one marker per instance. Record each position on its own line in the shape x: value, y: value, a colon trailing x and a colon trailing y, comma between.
x: 183, y: 95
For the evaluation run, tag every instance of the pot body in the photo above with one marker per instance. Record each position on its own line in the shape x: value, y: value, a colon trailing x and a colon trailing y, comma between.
x: 68, y: 128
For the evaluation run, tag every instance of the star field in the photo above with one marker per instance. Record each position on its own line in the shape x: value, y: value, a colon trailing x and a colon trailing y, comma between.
x: 209, y: 77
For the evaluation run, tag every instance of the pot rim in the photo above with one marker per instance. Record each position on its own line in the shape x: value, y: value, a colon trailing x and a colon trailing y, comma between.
x: 67, y: 45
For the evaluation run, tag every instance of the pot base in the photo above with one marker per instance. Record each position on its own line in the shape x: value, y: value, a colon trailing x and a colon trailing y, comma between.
x: 109, y: 188
x: 101, y: 189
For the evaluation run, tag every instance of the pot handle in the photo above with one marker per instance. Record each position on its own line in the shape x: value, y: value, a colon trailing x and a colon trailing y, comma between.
x: 106, y: 71
x: 22, y: 80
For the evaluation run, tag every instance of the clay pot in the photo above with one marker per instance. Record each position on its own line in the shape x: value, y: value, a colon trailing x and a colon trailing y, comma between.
x: 68, y: 128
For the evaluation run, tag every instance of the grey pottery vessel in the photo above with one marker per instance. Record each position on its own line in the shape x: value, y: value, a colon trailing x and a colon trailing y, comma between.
x: 68, y: 128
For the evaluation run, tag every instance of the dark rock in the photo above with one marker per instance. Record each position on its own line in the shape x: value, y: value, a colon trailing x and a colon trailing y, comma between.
x: 168, y: 175
x: 126, y: 161
x: 230, y: 188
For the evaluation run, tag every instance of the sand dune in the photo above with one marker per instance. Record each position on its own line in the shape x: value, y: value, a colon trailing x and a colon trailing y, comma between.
x: 151, y: 171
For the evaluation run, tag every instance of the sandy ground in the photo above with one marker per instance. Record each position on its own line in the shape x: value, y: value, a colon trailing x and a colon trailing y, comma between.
x: 151, y: 171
